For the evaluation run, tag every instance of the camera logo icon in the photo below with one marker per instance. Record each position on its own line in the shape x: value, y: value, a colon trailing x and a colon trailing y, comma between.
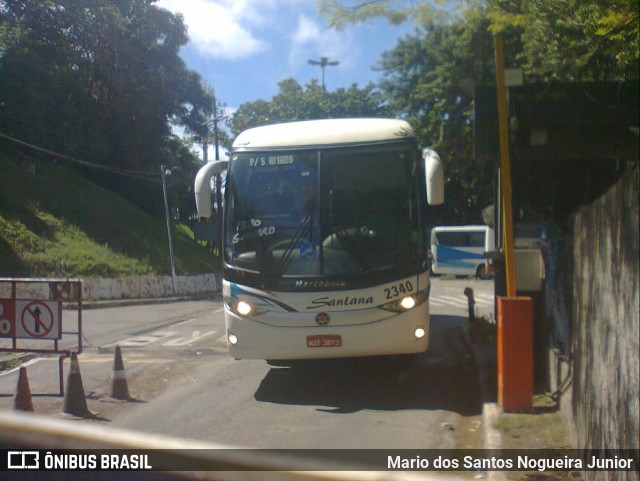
x: 23, y: 460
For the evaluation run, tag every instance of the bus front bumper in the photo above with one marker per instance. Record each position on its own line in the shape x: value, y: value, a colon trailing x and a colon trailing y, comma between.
x: 404, y: 333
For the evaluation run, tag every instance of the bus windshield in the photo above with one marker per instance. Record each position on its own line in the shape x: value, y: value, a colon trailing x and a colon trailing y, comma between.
x: 343, y: 213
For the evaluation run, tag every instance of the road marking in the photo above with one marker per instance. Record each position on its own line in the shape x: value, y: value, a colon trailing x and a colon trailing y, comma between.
x: 185, y: 341
x: 186, y: 322
x: 24, y: 364
x: 445, y: 300
x: 139, y: 341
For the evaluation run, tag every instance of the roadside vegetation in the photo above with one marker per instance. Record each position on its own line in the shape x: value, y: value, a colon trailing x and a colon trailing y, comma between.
x: 55, y: 222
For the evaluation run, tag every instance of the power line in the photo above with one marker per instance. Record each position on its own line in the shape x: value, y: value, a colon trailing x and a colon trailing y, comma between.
x: 150, y: 176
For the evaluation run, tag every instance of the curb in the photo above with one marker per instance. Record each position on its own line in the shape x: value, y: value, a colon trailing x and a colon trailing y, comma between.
x: 492, y: 435
x: 490, y: 410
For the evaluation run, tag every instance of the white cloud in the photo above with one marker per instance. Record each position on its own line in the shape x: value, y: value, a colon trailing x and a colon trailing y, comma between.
x: 220, y: 28
x: 310, y: 37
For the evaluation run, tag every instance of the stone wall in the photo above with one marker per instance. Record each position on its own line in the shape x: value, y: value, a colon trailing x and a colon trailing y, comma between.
x: 606, y: 319
x: 97, y: 289
x: 143, y: 287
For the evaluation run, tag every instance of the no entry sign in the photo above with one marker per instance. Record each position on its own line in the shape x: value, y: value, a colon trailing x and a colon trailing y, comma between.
x: 30, y: 319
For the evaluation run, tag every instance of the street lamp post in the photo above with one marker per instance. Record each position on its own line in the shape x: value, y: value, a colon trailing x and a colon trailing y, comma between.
x: 322, y: 63
x: 164, y: 172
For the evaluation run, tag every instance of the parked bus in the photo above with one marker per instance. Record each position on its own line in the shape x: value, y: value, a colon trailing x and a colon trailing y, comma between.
x: 325, y: 248
x: 461, y: 250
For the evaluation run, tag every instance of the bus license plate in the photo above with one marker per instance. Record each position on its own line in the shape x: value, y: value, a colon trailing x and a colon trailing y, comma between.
x: 328, y: 340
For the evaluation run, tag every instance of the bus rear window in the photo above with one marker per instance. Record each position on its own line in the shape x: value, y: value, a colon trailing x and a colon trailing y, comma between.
x: 460, y: 239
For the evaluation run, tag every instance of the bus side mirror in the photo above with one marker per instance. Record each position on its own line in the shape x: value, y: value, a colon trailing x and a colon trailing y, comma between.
x: 434, y: 177
x: 202, y: 186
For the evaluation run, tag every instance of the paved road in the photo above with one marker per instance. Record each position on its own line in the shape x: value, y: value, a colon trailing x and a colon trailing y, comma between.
x: 447, y: 296
x: 185, y: 384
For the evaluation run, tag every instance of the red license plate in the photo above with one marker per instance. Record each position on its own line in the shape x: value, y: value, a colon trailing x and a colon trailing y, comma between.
x: 327, y: 340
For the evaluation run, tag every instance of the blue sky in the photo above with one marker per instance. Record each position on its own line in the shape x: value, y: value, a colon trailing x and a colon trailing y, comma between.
x: 243, y: 48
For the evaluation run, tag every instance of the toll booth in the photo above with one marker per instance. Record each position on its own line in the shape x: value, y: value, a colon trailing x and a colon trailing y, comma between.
x: 569, y: 143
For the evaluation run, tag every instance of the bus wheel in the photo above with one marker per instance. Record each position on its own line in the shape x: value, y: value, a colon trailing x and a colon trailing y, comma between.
x: 481, y: 272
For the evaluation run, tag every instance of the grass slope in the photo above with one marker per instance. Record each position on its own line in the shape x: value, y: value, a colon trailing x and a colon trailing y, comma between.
x: 55, y: 223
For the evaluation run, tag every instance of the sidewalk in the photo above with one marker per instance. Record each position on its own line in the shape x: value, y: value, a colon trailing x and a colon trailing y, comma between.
x: 542, y: 428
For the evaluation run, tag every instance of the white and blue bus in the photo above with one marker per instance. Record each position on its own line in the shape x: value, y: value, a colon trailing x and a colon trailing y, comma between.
x: 462, y: 250
x: 325, y: 239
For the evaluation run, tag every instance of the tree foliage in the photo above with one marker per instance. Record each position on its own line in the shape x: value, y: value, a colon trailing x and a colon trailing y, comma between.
x: 340, y: 13
x: 558, y: 39
x: 429, y: 79
x: 99, y: 80
x: 573, y: 39
x: 294, y: 102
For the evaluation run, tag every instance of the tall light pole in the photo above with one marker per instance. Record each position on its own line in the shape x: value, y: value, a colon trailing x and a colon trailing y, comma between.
x: 218, y: 116
x: 166, y: 171
x: 322, y: 63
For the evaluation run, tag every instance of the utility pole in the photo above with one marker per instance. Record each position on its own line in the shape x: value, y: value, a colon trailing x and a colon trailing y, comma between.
x: 217, y: 118
x: 164, y: 172
x: 322, y: 63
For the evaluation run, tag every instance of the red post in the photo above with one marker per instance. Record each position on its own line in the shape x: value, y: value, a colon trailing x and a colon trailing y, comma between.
x: 515, y: 353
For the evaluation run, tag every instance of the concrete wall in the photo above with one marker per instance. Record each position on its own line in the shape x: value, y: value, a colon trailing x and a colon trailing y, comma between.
x: 149, y: 287
x: 592, y: 302
x: 140, y: 287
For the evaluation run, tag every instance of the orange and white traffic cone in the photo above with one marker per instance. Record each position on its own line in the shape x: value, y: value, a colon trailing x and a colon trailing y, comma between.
x: 75, y: 402
x: 119, y: 387
x: 22, y: 400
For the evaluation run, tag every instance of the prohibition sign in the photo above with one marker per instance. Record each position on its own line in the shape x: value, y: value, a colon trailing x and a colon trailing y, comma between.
x: 7, y: 318
x: 37, y: 319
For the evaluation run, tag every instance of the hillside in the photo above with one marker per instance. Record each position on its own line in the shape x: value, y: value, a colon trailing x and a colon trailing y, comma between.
x: 53, y: 222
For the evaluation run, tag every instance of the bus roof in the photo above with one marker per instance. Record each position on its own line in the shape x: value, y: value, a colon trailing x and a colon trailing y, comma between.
x: 323, y: 132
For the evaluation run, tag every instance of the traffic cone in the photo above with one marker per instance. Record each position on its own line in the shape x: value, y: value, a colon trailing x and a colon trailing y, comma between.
x: 75, y: 402
x: 119, y: 388
x: 22, y: 400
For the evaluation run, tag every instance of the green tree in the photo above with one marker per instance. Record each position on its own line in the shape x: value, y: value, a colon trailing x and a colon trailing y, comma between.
x: 99, y: 80
x: 427, y: 76
x: 294, y: 102
x: 560, y: 39
x: 429, y: 79
x: 341, y: 13
x: 573, y: 40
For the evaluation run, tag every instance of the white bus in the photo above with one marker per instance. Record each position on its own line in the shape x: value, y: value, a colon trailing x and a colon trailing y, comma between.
x: 325, y: 239
x: 461, y: 250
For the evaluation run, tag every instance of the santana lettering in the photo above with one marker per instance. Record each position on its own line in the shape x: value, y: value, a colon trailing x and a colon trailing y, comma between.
x: 342, y: 301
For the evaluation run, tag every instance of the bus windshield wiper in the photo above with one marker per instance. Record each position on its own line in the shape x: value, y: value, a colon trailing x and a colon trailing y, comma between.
x: 285, y: 259
x: 302, y: 231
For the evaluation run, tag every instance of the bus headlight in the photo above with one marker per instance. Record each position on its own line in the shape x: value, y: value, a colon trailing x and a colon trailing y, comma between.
x: 242, y: 307
x: 406, y: 303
